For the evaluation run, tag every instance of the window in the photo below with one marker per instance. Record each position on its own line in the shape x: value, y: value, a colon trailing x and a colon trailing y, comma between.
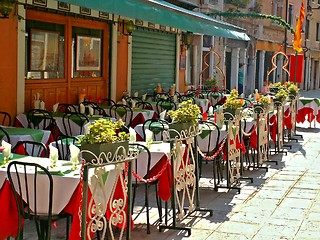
x: 277, y: 9
x: 318, y: 32
x: 290, y: 14
x: 45, y: 50
x: 87, y: 50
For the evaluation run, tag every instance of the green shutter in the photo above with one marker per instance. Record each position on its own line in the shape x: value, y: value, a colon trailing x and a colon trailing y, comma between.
x: 153, y: 60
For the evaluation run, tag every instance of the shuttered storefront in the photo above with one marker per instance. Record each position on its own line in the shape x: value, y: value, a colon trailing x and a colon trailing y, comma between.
x: 153, y: 60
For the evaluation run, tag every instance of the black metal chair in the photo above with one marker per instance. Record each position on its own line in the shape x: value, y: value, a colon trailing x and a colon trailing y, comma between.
x: 62, y: 144
x: 5, y: 119
x: 107, y: 102
x: 73, y: 123
x: 66, y: 108
x: 136, y: 183
x: 97, y: 110
x: 144, y: 105
x: 31, y: 148
x: 165, y: 104
x: 4, y: 135
x: 122, y: 111
x: 210, y: 150
x: 156, y: 126
x: 25, y: 180
x: 183, y: 98
x: 40, y: 119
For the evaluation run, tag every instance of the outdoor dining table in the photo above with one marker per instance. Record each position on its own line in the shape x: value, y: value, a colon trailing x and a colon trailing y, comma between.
x: 308, y: 110
x: 21, y: 120
x: 17, y: 134
x: 139, y: 115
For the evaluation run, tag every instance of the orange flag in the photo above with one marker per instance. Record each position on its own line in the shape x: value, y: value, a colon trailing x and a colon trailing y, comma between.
x: 297, y: 34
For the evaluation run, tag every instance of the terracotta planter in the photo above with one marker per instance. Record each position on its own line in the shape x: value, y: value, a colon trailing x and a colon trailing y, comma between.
x: 107, y: 148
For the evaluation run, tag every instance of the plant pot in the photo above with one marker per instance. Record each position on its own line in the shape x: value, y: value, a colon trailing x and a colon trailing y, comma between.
x: 230, y: 113
x: 108, y: 148
x: 179, y: 127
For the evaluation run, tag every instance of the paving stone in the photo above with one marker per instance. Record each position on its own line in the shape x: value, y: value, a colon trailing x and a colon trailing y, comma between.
x: 289, y: 213
x: 296, y: 203
x: 247, y: 229
x: 307, y: 235
x: 270, y: 231
x: 226, y: 236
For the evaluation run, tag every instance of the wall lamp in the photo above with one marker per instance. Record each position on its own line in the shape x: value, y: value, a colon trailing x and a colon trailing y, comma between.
x: 6, y: 7
x: 187, y: 38
x: 128, y: 27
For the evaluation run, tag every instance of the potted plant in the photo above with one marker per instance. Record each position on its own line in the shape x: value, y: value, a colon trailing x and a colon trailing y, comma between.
x: 233, y: 104
x: 105, y: 136
x: 281, y: 95
x: 292, y: 89
x: 211, y: 83
x: 186, y: 115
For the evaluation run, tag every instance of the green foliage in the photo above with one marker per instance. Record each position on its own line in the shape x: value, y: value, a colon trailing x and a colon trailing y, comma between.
x: 282, y: 94
x: 104, y: 131
x: 211, y: 82
x: 233, y: 102
x: 275, y: 19
x: 186, y: 112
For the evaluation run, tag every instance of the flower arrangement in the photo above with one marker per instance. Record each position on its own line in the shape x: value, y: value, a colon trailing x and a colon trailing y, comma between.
x: 292, y: 89
x: 186, y: 112
x: 233, y: 102
x: 282, y: 94
x: 211, y: 82
x: 104, y: 131
x: 277, y: 84
x: 264, y: 100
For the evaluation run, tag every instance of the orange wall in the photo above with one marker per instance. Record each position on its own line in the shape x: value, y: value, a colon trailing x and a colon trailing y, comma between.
x: 8, y: 65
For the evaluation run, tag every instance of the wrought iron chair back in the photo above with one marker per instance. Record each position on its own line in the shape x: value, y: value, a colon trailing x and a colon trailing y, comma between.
x: 62, y: 144
x: 156, y: 126
x: 26, y: 180
x: 40, y: 119
x: 4, y: 135
x: 66, y: 108
x: 122, y: 111
x: 5, y: 119
x: 73, y: 123
x: 31, y: 148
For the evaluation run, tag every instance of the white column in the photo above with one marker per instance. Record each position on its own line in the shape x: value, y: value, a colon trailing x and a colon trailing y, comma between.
x: 114, y: 56
x: 261, y: 69
x: 311, y: 81
x: 234, y: 68
x: 21, y: 60
x: 251, y: 75
x: 318, y: 74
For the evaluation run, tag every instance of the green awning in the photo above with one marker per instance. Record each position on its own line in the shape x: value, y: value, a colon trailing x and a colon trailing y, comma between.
x: 164, y: 13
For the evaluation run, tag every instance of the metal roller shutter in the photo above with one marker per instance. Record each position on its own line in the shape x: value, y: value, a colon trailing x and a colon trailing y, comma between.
x: 153, y: 60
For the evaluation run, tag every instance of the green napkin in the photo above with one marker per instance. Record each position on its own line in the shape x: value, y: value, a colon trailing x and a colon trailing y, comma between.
x: 155, y: 127
x: 37, y: 135
x: 52, y: 172
x: 14, y: 157
x: 305, y: 101
x: 205, y: 133
x: 317, y: 101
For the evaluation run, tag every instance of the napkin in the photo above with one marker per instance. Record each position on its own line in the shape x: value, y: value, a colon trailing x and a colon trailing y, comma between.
x: 136, y: 94
x: 124, y: 102
x: 82, y: 108
x: 132, y: 133
x: 74, y: 154
x: 86, y: 127
x: 42, y: 105
x: 163, y: 115
x: 210, y: 111
x: 36, y: 104
x: 7, y: 149
x: 133, y: 103
x: 144, y: 97
x: 53, y: 155
x: 175, y: 98
x: 55, y: 107
x: 91, y: 110
x: 149, y: 137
